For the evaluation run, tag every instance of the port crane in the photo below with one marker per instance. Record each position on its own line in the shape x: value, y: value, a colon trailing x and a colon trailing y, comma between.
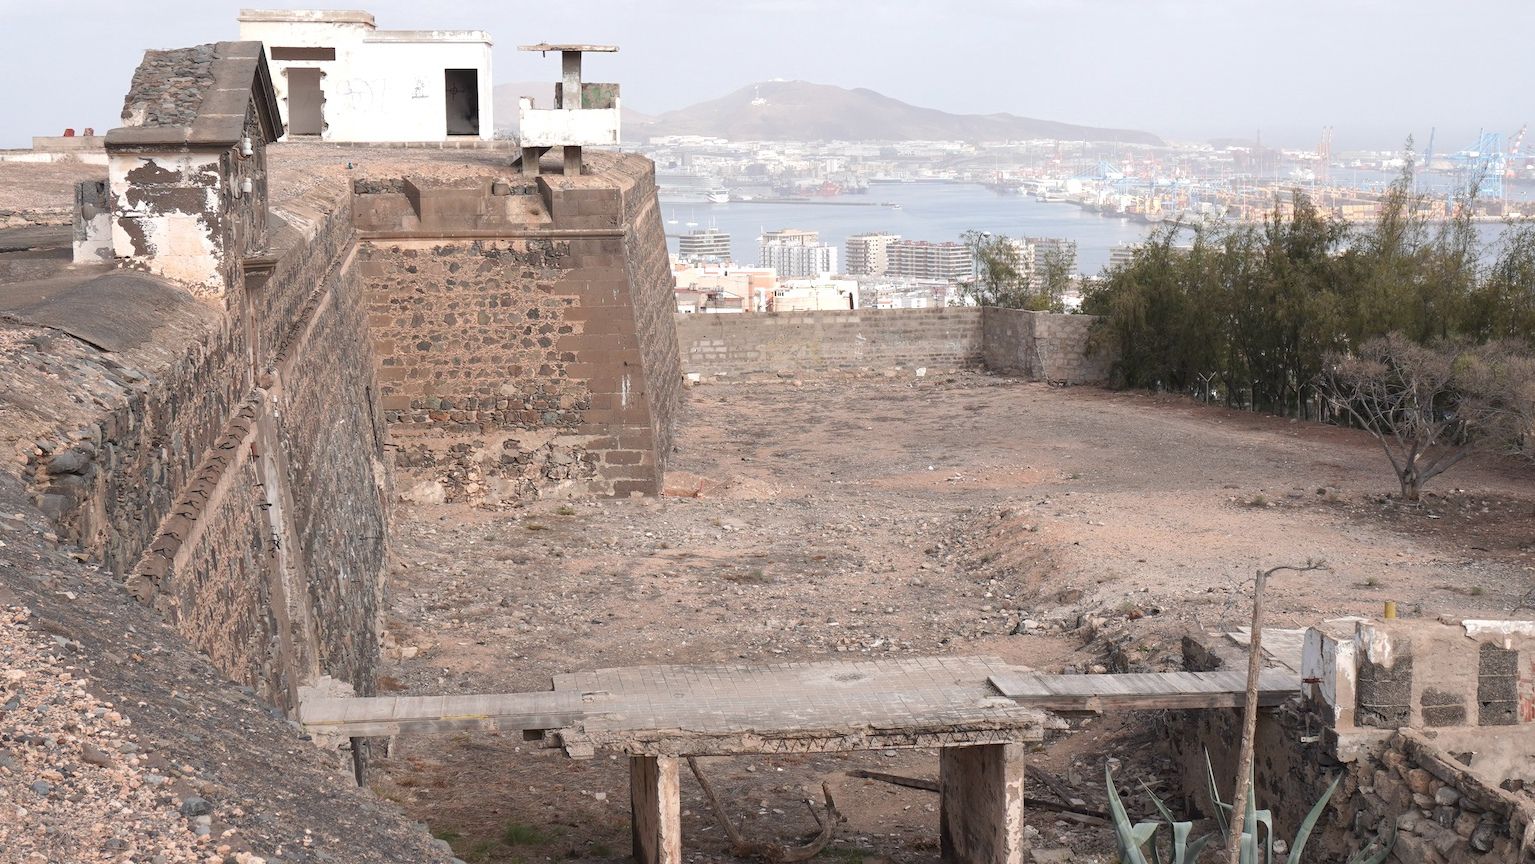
x: 1481, y: 167
x: 1428, y: 153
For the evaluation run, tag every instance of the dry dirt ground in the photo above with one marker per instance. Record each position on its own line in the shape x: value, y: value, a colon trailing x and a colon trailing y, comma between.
x: 1072, y: 529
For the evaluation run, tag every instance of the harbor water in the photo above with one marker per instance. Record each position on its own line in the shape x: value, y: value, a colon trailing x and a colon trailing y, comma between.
x: 934, y: 212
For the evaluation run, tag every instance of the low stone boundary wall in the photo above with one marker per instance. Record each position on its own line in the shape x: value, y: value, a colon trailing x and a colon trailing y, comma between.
x: 1037, y: 345
x: 751, y: 343
x: 1042, y: 345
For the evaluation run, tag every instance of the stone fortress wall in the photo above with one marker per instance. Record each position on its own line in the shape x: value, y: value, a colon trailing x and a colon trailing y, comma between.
x: 1036, y: 345
x: 525, y: 342
x: 240, y: 416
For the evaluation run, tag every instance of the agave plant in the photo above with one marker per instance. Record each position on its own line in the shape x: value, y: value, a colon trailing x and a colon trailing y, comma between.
x: 1138, y: 840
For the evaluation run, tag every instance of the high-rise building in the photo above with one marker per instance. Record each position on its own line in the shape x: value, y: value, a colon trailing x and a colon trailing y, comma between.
x: 869, y: 254
x: 706, y: 245
x: 796, y: 254
x: 919, y: 259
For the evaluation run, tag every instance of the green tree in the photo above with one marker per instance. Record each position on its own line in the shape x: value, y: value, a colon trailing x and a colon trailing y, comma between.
x: 1000, y: 277
x: 1056, y: 268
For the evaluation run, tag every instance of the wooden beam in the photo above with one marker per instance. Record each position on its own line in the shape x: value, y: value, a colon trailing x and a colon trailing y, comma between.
x: 392, y: 715
x: 1143, y: 690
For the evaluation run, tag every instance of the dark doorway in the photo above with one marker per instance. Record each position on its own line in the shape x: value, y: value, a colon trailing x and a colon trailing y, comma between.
x: 306, y: 102
x: 463, y: 90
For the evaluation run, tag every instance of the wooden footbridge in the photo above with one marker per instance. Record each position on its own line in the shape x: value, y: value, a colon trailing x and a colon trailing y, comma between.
x: 978, y: 712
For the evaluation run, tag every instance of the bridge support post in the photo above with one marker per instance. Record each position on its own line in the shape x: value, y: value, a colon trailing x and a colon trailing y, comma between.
x: 981, y: 804
x: 655, y: 809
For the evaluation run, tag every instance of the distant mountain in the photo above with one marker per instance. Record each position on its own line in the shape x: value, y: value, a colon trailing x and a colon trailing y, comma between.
x: 801, y: 111
x: 506, y: 96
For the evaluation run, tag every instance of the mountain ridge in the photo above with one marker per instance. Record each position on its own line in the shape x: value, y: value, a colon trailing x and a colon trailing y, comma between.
x: 806, y: 111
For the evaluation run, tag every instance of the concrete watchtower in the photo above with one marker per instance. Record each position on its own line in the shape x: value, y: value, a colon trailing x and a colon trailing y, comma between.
x: 583, y: 113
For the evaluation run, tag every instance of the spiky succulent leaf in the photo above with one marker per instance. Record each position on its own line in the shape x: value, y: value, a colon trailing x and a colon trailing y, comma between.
x: 1303, y: 833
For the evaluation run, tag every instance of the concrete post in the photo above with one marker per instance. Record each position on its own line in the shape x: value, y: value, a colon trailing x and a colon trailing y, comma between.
x: 572, y: 160
x: 655, y: 809
x: 570, y: 68
x: 530, y: 157
x: 981, y: 804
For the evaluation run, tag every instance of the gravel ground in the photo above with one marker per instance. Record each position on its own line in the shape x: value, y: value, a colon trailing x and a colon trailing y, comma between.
x: 119, y: 743
x: 1068, y: 529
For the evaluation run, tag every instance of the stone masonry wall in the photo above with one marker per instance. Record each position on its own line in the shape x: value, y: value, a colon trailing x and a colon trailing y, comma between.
x: 229, y: 466
x: 527, y: 348
x: 1043, y: 345
x: 473, y: 345
x: 750, y: 343
x: 650, y: 273
x: 327, y: 436
x: 1450, y: 794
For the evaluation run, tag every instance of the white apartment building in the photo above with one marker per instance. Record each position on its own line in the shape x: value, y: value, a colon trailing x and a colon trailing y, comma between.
x: 869, y: 254
x: 339, y: 78
x: 796, y: 253
x: 813, y: 295
x: 704, y: 245
x: 919, y: 259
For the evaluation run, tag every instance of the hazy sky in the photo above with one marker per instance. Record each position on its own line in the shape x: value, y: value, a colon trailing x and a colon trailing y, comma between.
x: 1376, y: 70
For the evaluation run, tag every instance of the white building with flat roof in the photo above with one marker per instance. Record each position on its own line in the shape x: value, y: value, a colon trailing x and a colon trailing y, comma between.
x: 869, y: 254
x: 796, y: 253
x: 339, y: 78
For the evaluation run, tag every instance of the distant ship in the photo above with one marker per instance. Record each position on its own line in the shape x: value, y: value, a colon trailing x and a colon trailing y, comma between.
x: 717, y: 196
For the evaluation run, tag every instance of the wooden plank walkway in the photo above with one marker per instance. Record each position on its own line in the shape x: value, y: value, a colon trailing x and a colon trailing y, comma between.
x: 362, y: 717
x: 1143, y: 690
x: 914, y: 696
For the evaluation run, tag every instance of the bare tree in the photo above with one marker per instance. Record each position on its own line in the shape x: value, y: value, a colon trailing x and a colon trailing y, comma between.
x: 1250, y: 710
x: 1427, y: 406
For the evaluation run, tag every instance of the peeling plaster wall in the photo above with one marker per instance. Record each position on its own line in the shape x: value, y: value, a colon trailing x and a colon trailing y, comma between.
x: 182, y: 212
x: 169, y: 221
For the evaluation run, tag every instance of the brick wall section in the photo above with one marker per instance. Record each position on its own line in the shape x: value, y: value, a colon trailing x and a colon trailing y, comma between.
x: 751, y: 343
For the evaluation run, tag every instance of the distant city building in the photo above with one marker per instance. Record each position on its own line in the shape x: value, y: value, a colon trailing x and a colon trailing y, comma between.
x: 709, y: 244
x: 715, y: 288
x: 919, y: 259
x: 869, y: 254
x: 810, y: 295
x: 1122, y: 254
x: 796, y: 254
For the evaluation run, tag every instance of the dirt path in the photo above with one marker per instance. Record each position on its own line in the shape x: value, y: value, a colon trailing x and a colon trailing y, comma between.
x: 878, y: 517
